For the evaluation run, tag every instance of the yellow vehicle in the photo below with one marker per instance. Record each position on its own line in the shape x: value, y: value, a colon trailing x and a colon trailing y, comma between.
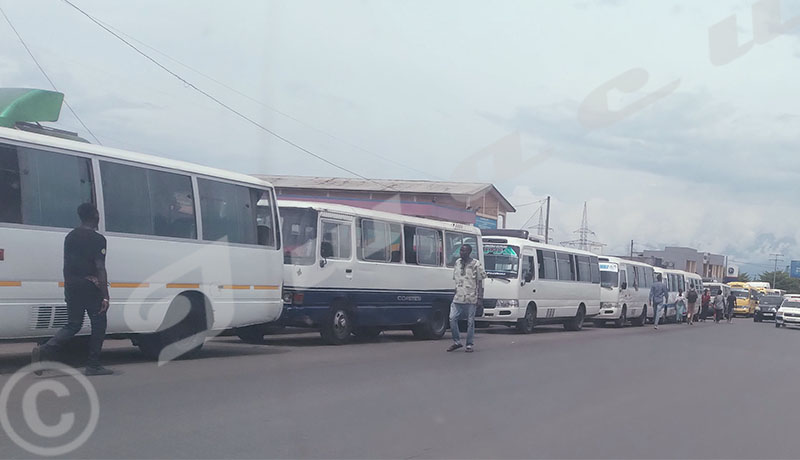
x: 746, y: 301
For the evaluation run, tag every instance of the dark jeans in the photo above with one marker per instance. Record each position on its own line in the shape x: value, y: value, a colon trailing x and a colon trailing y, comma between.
x: 704, y: 312
x: 81, y: 296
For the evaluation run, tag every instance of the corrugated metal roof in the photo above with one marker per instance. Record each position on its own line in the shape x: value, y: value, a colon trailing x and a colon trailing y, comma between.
x: 387, y: 185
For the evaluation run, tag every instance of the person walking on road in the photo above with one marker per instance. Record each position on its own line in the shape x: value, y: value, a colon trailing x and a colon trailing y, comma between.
x: 731, y: 302
x: 658, y: 298
x: 705, y: 305
x: 719, y: 306
x: 85, y: 290
x: 468, y: 275
x: 691, y: 300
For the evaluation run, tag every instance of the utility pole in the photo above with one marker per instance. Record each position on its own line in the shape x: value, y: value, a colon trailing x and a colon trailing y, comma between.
x: 631, y: 248
x: 547, y: 223
x: 776, y: 258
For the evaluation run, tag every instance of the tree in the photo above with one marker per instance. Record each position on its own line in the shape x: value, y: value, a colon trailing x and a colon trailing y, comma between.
x: 782, y: 281
x: 744, y: 277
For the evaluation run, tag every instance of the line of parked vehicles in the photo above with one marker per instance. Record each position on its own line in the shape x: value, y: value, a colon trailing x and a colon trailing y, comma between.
x: 194, y: 252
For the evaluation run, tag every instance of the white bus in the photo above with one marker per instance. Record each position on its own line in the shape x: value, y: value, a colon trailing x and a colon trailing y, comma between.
x: 534, y: 283
x: 677, y: 282
x: 625, y: 292
x: 187, y: 253
x: 353, y: 271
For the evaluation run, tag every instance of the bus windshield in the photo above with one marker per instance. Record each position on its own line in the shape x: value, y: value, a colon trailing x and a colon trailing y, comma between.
x: 608, y: 278
x: 501, y: 260
x: 299, y: 235
x: 741, y: 294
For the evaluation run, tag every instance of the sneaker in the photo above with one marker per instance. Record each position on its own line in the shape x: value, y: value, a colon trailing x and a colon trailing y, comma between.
x: 97, y: 370
x: 469, y: 349
x: 655, y: 327
x: 455, y: 347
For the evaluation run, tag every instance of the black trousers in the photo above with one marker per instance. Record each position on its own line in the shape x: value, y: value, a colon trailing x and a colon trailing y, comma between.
x: 81, y: 296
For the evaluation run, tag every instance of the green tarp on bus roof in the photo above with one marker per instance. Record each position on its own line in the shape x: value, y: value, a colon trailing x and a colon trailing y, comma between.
x: 29, y: 105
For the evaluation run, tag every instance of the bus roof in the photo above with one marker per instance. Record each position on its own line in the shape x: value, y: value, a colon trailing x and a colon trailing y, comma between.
x: 52, y: 142
x: 620, y: 260
x: 363, y: 212
x: 526, y: 242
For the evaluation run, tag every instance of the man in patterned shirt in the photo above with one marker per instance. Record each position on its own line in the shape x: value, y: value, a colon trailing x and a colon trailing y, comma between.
x: 468, y: 275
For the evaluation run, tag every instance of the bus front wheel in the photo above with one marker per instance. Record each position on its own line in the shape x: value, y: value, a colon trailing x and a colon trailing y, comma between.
x: 434, y: 328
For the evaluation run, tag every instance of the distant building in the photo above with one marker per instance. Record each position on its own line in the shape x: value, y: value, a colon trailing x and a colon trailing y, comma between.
x: 479, y: 204
x: 691, y: 260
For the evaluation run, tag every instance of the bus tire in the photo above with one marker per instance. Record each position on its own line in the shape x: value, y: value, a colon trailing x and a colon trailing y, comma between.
x: 184, y: 327
x: 576, y: 323
x: 525, y: 325
x: 338, y: 327
x: 623, y: 317
x: 435, y: 328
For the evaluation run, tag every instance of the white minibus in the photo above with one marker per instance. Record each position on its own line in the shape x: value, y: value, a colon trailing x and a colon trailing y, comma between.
x: 534, y: 283
x: 353, y: 271
x: 187, y: 252
x: 624, y: 292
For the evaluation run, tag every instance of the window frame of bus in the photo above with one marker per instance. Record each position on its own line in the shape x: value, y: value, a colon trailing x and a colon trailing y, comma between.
x: 594, y: 269
x: 542, y: 269
x: 586, y: 261
x: 337, y: 223
x: 93, y: 182
x: 569, y: 261
x: 388, y: 234
x: 146, y: 169
x: 462, y: 236
x: 415, y: 238
x: 250, y: 187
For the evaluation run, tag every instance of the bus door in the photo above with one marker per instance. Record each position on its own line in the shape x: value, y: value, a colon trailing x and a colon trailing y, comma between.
x: 336, y: 250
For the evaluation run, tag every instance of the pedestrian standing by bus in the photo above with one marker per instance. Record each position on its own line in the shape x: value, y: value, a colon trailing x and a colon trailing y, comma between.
x: 705, y: 304
x: 468, y: 275
x: 680, y: 307
x: 731, y: 302
x: 85, y: 290
x: 691, y: 300
x: 719, y: 306
x: 658, y: 297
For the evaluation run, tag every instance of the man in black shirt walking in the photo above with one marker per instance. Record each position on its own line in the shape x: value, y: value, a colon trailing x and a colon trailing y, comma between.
x: 85, y: 289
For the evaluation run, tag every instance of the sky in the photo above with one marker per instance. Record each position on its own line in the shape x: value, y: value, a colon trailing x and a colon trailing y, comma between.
x: 676, y: 122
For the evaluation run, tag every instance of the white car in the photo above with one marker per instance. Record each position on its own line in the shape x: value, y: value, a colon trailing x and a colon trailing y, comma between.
x: 788, y: 313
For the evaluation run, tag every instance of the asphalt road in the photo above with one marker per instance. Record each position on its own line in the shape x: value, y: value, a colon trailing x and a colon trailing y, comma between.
x: 707, y: 391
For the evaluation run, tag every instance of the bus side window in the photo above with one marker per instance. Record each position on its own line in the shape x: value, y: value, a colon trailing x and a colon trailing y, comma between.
x: 336, y: 239
x: 43, y: 188
x: 594, y: 267
x: 528, y: 268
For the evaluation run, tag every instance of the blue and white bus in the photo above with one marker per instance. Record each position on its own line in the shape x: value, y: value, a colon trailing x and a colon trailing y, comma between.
x: 351, y: 271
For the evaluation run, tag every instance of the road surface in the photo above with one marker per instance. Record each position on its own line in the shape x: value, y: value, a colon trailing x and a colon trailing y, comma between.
x: 707, y: 391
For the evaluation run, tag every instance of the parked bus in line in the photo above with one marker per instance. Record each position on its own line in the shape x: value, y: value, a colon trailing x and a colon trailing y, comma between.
x: 625, y: 292
x: 676, y: 283
x: 533, y: 283
x: 187, y: 253
x: 352, y: 271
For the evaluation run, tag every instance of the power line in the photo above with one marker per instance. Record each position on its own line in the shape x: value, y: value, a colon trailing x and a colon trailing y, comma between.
x: 219, y: 102
x: 41, y: 69
x: 269, y: 107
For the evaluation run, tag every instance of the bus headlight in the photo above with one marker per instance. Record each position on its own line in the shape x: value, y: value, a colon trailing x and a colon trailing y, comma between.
x: 507, y: 303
